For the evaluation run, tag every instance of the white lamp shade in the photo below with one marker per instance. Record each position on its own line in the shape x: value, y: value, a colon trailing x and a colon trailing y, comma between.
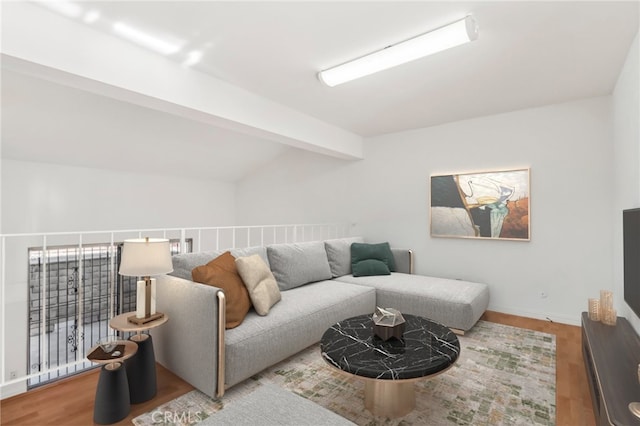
x: 144, y: 257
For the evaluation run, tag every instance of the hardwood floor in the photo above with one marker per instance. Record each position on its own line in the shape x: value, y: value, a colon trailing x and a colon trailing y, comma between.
x: 70, y: 401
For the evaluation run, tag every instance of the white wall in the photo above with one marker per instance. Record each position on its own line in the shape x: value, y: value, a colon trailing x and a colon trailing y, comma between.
x: 297, y: 187
x: 626, y: 126
x: 40, y: 197
x: 569, y: 149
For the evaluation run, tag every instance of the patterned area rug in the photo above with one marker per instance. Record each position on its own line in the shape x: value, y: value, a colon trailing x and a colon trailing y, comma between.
x: 505, y: 375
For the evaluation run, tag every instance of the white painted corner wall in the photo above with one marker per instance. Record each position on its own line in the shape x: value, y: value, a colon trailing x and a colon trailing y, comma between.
x: 569, y: 148
x: 626, y: 172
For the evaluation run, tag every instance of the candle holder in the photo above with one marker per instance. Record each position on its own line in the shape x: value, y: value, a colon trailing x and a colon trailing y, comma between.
x: 609, y: 317
x: 606, y: 300
x: 594, y: 309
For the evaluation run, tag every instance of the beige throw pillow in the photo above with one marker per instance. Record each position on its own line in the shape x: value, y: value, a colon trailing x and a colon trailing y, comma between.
x: 262, y: 286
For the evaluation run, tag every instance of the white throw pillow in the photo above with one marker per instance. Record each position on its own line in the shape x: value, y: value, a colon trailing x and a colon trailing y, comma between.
x: 339, y: 255
x: 260, y: 282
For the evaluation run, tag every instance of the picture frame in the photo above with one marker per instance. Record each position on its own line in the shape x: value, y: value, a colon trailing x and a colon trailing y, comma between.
x: 492, y: 205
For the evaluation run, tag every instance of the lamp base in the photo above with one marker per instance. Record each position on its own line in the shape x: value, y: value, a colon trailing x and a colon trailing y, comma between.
x: 140, y: 321
x: 634, y: 407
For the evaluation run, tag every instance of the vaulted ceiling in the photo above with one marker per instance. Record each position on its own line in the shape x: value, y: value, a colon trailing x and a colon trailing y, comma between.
x: 528, y: 54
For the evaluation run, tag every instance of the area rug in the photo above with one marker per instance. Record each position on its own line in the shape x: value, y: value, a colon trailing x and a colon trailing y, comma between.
x: 504, y: 376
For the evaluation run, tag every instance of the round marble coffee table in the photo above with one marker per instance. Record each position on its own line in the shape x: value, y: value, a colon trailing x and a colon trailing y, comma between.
x: 390, y: 368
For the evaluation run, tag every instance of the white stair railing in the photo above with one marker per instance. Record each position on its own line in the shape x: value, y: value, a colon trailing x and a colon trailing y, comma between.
x: 14, y: 282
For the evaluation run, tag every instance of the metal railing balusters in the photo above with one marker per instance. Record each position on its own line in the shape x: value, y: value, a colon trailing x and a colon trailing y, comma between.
x: 98, y: 286
x: 43, y: 308
x: 80, y: 301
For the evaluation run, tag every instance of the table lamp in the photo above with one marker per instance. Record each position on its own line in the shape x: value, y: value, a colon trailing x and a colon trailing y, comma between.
x: 144, y: 257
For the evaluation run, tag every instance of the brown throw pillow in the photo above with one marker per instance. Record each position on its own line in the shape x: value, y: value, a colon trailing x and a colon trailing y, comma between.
x: 221, y: 272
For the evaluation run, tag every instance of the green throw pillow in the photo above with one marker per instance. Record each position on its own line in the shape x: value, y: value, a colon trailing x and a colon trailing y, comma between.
x: 368, y: 267
x: 380, y: 251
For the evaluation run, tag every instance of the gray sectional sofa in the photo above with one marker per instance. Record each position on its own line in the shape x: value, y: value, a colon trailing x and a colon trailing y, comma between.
x: 317, y: 290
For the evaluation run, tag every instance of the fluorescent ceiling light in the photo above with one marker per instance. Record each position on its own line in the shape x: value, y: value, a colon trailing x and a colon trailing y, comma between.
x: 455, y: 34
x: 159, y: 45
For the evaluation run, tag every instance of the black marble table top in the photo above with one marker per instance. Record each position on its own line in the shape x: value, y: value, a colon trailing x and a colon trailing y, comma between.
x: 425, y: 349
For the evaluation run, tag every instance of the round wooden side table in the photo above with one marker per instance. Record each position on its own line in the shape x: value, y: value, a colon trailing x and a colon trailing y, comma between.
x: 141, y: 369
x: 112, y: 402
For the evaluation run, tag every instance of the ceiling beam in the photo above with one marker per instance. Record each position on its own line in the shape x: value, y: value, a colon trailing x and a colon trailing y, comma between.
x: 76, y: 55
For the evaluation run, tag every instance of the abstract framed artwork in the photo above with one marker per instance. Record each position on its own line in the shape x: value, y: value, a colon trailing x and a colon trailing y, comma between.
x: 486, y: 205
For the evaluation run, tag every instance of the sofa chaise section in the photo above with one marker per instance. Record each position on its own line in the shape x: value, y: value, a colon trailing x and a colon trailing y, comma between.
x: 454, y: 303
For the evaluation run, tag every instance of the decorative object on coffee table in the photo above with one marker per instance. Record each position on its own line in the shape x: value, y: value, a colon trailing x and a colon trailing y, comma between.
x: 390, y: 367
x: 112, y: 393
x: 141, y: 369
x: 388, y: 323
x: 145, y: 257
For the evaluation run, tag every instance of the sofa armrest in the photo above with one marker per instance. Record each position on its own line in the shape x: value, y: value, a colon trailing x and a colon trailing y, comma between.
x: 191, y: 343
x: 403, y: 259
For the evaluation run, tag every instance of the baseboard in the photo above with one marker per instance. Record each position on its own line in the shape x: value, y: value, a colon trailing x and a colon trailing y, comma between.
x: 13, y: 388
x: 563, y: 319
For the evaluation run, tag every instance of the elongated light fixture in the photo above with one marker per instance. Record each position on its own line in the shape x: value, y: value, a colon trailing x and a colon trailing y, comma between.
x: 455, y: 34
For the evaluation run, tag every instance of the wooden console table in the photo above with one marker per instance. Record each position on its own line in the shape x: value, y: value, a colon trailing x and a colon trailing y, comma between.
x: 611, y: 357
